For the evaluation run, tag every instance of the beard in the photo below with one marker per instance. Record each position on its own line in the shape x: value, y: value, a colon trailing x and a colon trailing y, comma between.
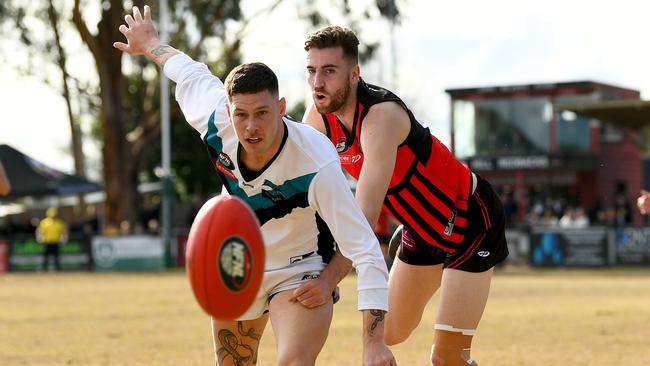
x: 337, y: 100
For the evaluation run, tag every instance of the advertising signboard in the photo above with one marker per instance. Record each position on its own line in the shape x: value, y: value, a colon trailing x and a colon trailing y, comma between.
x: 128, y: 253
x: 554, y: 247
x: 26, y: 254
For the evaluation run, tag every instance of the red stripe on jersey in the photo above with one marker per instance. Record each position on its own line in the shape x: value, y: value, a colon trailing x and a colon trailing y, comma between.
x: 403, y: 162
x: 415, y: 205
x: 425, y: 225
x: 402, y: 212
x: 431, y: 197
x: 461, y: 204
x: 450, y: 193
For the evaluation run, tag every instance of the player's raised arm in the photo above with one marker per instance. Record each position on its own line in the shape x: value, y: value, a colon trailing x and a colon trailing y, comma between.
x: 198, y: 92
x: 142, y: 38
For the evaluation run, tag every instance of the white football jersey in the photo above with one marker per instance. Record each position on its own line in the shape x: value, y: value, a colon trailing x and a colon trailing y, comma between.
x: 303, y: 182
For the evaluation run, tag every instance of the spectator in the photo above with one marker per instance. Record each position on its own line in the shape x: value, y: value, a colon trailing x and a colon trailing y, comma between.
x: 51, y: 232
x: 574, y: 218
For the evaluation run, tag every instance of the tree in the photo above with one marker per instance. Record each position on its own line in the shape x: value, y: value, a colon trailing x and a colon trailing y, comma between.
x: 126, y: 97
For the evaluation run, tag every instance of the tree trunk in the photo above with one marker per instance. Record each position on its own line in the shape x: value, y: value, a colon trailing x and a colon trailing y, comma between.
x: 75, y: 131
x: 120, y: 184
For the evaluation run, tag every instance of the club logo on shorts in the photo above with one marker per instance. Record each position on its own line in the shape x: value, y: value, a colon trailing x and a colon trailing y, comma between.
x: 483, y: 253
x: 235, y: 263
x: 310, y: 276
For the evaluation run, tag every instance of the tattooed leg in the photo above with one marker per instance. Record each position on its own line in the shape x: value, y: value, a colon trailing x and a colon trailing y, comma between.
x: 237, y: 342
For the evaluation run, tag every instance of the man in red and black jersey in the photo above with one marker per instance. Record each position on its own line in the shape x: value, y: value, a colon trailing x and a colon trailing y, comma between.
x: 453, y: 221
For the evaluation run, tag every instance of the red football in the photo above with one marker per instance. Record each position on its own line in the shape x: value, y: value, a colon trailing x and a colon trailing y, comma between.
x: 224, y: 257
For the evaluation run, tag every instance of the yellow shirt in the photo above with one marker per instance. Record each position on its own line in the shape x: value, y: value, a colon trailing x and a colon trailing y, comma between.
x: 51, y: 231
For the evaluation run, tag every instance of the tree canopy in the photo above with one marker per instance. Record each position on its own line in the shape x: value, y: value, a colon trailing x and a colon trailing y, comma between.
x: 124, y: 95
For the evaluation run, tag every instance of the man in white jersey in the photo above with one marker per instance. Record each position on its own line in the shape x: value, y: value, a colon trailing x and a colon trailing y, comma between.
x: 290, y: 176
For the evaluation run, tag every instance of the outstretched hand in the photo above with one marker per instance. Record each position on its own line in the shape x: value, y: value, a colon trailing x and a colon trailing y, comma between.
x: 140, y: 33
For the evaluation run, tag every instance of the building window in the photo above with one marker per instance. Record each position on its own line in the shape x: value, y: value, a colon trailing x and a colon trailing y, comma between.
x: 505, y: 126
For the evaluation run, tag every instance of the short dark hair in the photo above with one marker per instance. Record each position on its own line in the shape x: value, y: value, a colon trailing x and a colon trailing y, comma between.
x: 250, y: 79
x: 335, y: 36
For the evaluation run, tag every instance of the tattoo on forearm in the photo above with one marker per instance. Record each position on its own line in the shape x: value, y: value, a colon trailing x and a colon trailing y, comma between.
x: 233, y: 346
x: 160, y: 50
x: 379, y: 317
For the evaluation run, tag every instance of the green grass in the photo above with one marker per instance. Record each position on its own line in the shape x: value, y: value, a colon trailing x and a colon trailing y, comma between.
x: 533, y: 317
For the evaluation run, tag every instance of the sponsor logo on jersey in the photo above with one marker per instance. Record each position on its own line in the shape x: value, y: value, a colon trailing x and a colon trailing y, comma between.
x: 225, y: 171
x: 272, y: 191
x: 350, y: 159
x: 483, y: 253
x: 235, y: 263
x: 224, y: 164
x: 450, y: 223
x: 225, y: 160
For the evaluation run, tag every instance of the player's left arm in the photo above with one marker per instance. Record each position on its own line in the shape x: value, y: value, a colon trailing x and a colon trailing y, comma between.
x: 385, y: 127
x: 375, y: 351
x: 318, y: 291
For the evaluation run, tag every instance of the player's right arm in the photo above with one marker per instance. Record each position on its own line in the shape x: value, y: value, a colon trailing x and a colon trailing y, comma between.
x: 198, y: 92
x: 142, y: 38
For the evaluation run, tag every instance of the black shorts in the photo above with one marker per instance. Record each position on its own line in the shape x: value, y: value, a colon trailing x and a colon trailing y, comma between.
x: 484, y: 245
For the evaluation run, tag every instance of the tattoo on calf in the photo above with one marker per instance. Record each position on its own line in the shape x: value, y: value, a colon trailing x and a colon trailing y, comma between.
x: 233, y: 346
x: 379, y: 317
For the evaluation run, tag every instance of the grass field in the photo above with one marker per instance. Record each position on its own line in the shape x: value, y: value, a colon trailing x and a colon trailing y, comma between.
x: 533, y: 318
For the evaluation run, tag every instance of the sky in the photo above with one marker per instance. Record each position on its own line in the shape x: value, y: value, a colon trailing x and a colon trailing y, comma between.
x: 439, y: 45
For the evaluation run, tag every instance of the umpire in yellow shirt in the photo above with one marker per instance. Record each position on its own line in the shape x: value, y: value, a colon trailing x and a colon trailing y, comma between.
x: 52, y: 232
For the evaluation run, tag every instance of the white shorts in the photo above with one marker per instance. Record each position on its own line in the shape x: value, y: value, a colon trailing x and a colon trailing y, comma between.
x: 283, y: 279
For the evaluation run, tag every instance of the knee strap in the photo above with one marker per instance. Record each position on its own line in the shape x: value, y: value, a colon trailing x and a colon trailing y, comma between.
x: 453, y: 345
x: 449, y: 328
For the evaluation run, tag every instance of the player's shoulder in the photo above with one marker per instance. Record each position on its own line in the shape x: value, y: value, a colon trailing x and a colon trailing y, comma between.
x: 387, y: 116
x: 382, y: 104
x: 312, y: 143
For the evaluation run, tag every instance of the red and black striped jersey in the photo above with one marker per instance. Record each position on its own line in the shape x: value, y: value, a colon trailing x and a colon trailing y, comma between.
x: 429, y: 187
